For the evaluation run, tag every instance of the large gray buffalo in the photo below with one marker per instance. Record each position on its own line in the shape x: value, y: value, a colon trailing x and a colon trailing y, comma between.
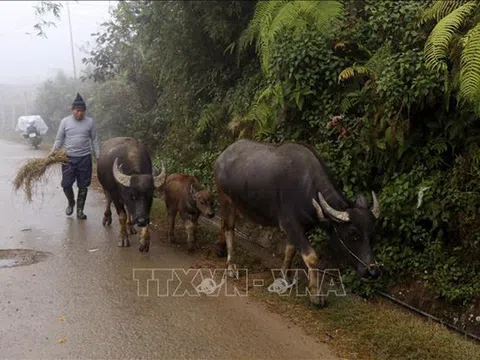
x: 124, y: 169
x: 278, y: 186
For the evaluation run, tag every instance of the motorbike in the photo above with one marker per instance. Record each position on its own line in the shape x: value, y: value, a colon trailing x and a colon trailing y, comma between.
x: 33, y: 138
x: 32, y: 128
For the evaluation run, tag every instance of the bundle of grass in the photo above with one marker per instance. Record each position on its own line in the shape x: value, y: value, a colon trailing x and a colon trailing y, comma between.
x: 34, y: 171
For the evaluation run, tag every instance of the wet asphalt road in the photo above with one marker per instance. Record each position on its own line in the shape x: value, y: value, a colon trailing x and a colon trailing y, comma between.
x: 82, y: 301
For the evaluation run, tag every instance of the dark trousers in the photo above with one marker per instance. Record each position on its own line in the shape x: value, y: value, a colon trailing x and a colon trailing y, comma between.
x: 79, y: 169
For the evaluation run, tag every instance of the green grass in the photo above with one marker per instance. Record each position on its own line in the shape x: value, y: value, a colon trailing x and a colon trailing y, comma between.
x: 368, y: 330
x: 357, y: 329
x: 387, y: 333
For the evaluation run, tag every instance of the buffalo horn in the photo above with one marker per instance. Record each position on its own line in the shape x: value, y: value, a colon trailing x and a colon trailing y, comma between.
x: 120, y: 177
x: 317, y: 206
x: 376, y: 206
x: 160, y: 179
x: 337, y: 215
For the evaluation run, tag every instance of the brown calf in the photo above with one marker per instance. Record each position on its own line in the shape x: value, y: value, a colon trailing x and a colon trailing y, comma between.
x: 184, y: 195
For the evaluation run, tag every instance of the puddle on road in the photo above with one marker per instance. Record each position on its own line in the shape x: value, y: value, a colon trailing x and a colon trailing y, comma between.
x: 8, y: 263
x: 21, y: 257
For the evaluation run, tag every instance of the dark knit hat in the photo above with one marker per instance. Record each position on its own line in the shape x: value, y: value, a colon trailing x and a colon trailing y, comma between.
x: 78, y: 103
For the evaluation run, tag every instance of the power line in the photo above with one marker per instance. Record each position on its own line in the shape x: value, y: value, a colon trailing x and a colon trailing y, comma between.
x: 71, y: 42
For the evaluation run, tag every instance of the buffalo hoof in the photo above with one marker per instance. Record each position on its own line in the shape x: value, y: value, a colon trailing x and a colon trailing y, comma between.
x: 318, y: 302
x: 123, y: 242
x: 232, y: 271
x: 144, y: 247
x: 192, y: 247
x: 131, y: 230
x: 221, y: 250
x: 107, y: 221
x: 291, y: 279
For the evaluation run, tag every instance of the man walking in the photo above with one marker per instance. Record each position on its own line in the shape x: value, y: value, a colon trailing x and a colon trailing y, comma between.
x: 77, y: 133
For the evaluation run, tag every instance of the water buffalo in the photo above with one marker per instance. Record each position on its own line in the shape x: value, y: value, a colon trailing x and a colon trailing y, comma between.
x: 277, y: 186
x: 124, y: 169
x: 185, y: 196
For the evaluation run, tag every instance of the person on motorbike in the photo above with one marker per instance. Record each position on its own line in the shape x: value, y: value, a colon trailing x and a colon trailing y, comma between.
x: 32, y: 129
x: 32, y: 134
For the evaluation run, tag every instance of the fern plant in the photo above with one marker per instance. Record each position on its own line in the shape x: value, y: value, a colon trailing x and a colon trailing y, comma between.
x: 355, y: 70
x: 214, y: 115
x: 271, y: 18
x: 372, y: 68
x: 453, y: 18
x: 440, y: 9
x: 264, y: 119
x: 470, y: 68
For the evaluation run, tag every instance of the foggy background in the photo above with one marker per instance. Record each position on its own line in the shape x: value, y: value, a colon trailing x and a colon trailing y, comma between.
x: 28, y: 60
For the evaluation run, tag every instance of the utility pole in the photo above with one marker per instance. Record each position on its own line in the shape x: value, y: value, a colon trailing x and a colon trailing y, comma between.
x: 25, y: 103
x: 13, y: 116
x: 3, y: 120
x: 71, y: 42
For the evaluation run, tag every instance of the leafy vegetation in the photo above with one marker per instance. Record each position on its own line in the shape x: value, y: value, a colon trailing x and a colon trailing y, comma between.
x: 458, y: 24
x: 387, y: 91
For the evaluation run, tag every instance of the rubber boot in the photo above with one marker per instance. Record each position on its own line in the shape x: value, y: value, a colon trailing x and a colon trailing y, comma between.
x: 82, y: 196
x: 71, y: 200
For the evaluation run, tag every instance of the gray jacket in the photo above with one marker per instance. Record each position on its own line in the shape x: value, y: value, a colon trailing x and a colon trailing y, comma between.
x: 77, y: 136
